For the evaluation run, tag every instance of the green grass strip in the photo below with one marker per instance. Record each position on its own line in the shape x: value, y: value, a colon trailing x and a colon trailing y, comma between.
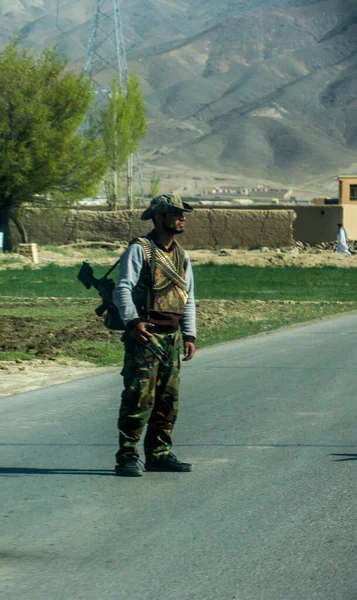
x: 226, y: 282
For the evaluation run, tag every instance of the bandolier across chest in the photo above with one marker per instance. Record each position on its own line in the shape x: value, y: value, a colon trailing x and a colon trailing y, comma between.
x: 169, y: 286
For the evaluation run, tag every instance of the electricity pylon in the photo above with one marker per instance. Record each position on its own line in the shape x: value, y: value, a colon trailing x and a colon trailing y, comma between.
x: 106, y: 54
x: 106, y: 49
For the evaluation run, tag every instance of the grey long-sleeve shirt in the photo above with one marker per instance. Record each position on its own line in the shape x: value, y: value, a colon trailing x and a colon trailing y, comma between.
x: 128, y: 297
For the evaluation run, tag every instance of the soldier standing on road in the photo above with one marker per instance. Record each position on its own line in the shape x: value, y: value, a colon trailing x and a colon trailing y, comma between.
x: 155, y: 298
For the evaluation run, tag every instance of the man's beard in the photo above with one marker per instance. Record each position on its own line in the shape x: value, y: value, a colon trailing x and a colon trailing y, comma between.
x: 173, y: 230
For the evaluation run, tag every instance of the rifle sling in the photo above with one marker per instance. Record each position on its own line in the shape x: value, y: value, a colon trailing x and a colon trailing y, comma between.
x: 111, y: 269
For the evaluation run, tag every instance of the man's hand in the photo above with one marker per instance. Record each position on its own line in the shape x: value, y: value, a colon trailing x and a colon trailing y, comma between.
x: 141, y: 334
x: 189, y: 350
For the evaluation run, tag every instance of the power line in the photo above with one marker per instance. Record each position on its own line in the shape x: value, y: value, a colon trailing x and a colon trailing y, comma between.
x: 106, y: 52
x: 106, y: 48
x: 57, y: 14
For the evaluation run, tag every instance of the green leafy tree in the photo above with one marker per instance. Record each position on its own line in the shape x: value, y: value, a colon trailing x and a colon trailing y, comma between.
x: 155, y: 184
x: 124, y: 124
x: 43, y: 158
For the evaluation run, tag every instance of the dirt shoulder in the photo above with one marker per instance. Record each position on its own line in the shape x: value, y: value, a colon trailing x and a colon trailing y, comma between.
x: 18, y: 377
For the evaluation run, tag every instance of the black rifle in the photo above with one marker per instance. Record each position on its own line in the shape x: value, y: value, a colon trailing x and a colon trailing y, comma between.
x: 112, y: 319
x: 104, y: 287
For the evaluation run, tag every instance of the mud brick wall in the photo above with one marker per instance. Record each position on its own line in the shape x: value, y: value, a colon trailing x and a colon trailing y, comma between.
x: 205, y: 228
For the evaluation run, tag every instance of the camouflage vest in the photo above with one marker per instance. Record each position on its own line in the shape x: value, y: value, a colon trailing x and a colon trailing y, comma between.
x: 169, y: 288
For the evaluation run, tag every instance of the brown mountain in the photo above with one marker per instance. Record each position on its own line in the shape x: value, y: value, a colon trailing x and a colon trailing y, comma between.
x: 266, y: 89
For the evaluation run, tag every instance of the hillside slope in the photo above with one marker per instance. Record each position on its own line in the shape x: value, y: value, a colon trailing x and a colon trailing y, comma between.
x: 266, y: 89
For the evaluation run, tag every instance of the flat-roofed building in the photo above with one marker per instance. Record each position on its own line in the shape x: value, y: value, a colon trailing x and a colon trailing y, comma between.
x: 348, y: 190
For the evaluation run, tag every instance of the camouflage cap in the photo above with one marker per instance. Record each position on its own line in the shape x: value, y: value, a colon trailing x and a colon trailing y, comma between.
x: 166, y: 203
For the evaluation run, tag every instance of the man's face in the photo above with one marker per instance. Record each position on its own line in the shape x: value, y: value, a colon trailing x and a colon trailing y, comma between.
x: 174, y: 222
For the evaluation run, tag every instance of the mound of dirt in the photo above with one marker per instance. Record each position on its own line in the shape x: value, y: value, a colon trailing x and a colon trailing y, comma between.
x: 40, y: 337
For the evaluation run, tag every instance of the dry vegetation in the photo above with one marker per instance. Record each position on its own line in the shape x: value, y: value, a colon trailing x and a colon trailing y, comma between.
x: 106, y: 253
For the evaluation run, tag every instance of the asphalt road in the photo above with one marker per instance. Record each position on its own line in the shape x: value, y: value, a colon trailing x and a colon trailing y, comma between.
x: 269, y: 512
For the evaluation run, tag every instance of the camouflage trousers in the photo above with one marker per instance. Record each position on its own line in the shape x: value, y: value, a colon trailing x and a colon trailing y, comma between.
x: 150, y: 397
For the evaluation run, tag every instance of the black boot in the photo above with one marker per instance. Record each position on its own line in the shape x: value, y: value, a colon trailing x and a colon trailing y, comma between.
x: 168, y: 462
x: 129, y: 467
